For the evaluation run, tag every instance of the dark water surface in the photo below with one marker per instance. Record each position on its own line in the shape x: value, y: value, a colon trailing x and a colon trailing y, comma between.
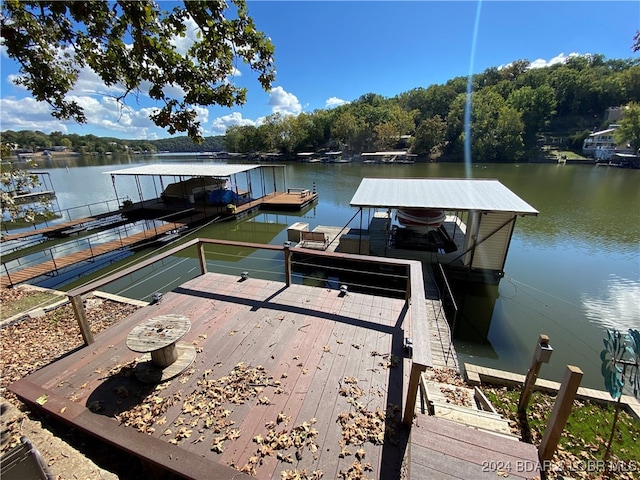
x: 571, y: 272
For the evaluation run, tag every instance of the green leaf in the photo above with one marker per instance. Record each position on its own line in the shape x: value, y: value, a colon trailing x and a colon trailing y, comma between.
x: 100, y: 32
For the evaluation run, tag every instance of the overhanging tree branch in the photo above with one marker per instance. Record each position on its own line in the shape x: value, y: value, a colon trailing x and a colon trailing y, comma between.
x: 132, y: 45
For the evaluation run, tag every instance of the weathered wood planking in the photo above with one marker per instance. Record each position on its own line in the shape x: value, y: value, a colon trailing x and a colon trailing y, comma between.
x: 303, y: 336
x: 448, y: 448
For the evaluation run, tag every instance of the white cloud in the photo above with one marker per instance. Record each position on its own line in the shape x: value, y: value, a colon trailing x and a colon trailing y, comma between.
x: 219, y: 125
x: 334, y: 102
x: 105, y: 117
x: 541, y: 62
x: 28, y: 114
x: 108, y: 114
x: 182, y: 44
x: 89, y: 83
x: 284, y: 102
x: 561, y: 58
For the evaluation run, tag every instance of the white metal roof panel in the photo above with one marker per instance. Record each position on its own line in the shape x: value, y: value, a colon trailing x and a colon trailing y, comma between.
x: 391, y: 152
x: 439, y: 193
x: 186, y: 169
x: 602, y: 132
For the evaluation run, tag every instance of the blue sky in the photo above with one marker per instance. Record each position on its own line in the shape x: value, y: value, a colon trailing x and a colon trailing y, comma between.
x: 331, y: 52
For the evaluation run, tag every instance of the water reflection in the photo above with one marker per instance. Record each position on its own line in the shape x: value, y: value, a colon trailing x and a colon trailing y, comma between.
x: 616, y: 306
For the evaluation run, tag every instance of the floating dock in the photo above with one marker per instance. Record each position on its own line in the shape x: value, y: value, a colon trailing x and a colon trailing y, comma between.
x: 202, y: 193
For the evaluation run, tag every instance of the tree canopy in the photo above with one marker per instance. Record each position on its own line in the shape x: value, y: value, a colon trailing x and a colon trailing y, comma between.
x: 133, y: 48
x: 629, y: 127
x: 510, y: 108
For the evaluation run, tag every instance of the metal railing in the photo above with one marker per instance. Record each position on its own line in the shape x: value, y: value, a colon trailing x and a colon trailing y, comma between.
x: 411, y: 268
x: 96, y: 210
x: 88, y: 243
x: 447, y: 303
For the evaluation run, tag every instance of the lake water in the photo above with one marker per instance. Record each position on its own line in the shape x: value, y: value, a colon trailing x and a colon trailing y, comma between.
x: 571, y: 272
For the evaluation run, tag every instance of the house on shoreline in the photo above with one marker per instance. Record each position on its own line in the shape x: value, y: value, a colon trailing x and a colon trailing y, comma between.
x: 602, y: 145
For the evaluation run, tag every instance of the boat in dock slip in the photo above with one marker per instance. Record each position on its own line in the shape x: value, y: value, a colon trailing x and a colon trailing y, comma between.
x: 464, y: 225
x: 213, y: 189
x: 420, y: 219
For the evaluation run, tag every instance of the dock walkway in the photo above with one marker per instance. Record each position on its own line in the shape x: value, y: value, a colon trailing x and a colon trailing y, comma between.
x: 52, y: 266
x: 58, y: 227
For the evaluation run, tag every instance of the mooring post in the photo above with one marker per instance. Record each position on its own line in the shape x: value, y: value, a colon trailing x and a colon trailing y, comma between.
x: 560, y: 413
x: 541, y: 355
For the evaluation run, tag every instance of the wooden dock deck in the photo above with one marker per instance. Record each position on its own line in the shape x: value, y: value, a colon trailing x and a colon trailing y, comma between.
x: 292, y: 199
x: 51, y: 266
x: 442, y: 347
x: 286, y: 378
x: 292, y: 380
x: 58, y: 227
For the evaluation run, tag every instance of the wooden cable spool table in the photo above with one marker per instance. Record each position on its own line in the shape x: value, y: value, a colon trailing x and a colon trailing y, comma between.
x: 158, y: 338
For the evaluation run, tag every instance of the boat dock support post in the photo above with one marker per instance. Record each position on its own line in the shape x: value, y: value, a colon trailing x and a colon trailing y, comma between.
x: 287, y: 263
x: 202, y: 258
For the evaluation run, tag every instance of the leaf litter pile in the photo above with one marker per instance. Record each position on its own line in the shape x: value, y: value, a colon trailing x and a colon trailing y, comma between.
x: 31, y: 343
x: 452, y: 386
x: 205, y: 417
x: 35, y: 342
x: 360, y: 425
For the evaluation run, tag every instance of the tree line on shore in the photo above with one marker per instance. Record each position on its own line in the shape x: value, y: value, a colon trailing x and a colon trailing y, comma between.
x: 510, y: 109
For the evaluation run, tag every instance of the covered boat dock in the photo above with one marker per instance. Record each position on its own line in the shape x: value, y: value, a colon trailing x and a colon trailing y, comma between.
x: 473, y: 240
x: 227, y: 190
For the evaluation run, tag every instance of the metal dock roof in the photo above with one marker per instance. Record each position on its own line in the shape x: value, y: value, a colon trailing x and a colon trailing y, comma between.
x: 186, y: 169
x: 439, y: 193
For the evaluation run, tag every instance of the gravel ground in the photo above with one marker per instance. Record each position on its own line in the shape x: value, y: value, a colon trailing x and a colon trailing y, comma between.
x: 37, y: 340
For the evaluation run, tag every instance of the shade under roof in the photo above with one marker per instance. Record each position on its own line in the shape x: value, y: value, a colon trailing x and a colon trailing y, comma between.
x: 186, y: 169
x: 439, y: 193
